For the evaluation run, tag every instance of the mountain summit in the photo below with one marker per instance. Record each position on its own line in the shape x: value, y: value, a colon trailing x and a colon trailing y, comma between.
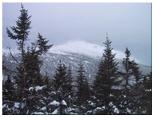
x: 84, y: 48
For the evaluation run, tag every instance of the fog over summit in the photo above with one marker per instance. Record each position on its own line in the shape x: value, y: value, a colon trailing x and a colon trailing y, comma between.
x: 85, y: 48
x: 128, y: 25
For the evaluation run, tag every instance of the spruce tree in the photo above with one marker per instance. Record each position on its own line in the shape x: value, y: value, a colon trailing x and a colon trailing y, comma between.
x: 83, y: 90
x: 129, y: 98
x: 123, y: 99
x: 147, y: 95
x: 32, y: 68
x: 33, y: 61
x: 8, y: 96
x: 106, y: 75
x: 70, y: 78
x: 69, y: 86
x: 107, y: 70
x: 33, y: 72
x: 8, y: 89
x: 140, y: 97
x: 63, y: 86
x: 135, y: 71
x: 28, y: 70
x: 20, y: 32
x: 60, y: 77
x: 126, y: 63
x: 42, y: 44
x: 131, y: 67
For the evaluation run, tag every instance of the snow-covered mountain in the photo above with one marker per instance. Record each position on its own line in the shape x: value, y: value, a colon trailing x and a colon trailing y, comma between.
x: 72, y: 53
x: 83, y: 48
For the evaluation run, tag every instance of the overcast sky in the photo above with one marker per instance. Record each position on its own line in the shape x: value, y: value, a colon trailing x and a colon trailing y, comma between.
x: 128, y: 25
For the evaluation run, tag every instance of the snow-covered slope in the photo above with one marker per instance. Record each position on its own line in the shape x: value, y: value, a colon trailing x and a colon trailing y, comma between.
x: 79, y: 47
x: 72, y: 53
x: 84, y: 48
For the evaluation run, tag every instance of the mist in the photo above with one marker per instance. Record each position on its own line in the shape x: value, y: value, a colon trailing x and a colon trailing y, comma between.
x: 128, y: 24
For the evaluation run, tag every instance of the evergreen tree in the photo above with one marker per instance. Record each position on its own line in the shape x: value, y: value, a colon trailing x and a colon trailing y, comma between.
x: 69, y: 86
x: 146, y: 99
x: 106, y: 75
x: 32, y: 68
x: 42, y: 44
x: 9, y: 95
x: 20, y: 32
x: 63, y: 80
x: 8, y: 89
x: 33, y: 76
x: 60, y: 78
x: 148, y: 94
x: 140, y: 98
x: 126, y: 63
x: 29, y: 75
x: 32, y: 61
x: 135, y: 71
x: 131, y: 68
x: 63, y: 86
x: 129, y: 98
x: 28, y: 70
x: 124, y: 98
x: 83, y: 90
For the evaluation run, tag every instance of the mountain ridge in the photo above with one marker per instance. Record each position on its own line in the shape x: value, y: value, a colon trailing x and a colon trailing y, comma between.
x: 85, y: 48
x: 72, y: 53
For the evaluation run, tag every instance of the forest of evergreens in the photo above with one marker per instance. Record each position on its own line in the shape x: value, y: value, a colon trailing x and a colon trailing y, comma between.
x: 30, y: 92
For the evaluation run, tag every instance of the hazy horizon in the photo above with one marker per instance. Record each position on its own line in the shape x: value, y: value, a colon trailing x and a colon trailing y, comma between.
x: 128, y: 24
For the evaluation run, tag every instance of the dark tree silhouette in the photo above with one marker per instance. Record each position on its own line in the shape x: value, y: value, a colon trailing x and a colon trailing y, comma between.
x: 83, y: 90
x: 42, y: 44
x: 20, y: 32
x: 106, y: 75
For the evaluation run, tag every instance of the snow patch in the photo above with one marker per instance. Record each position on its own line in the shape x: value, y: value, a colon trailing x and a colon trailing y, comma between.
x: 117, y: 87
x: 38, y: 113
x: 132, y: 80
x: 5, y: 106
x: 128, y: 110
x: 31, y: 88
x: 64, y: 103
x: 110, y: 103
x: 116, y: 110
x: 36, y: 88
x: 54, y: 103
x: 55, y: 112
x: 16, y: 104
x: 44, y: 108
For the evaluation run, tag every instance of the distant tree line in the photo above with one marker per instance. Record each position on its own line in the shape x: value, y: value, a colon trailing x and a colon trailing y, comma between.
x: 29, y: 92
